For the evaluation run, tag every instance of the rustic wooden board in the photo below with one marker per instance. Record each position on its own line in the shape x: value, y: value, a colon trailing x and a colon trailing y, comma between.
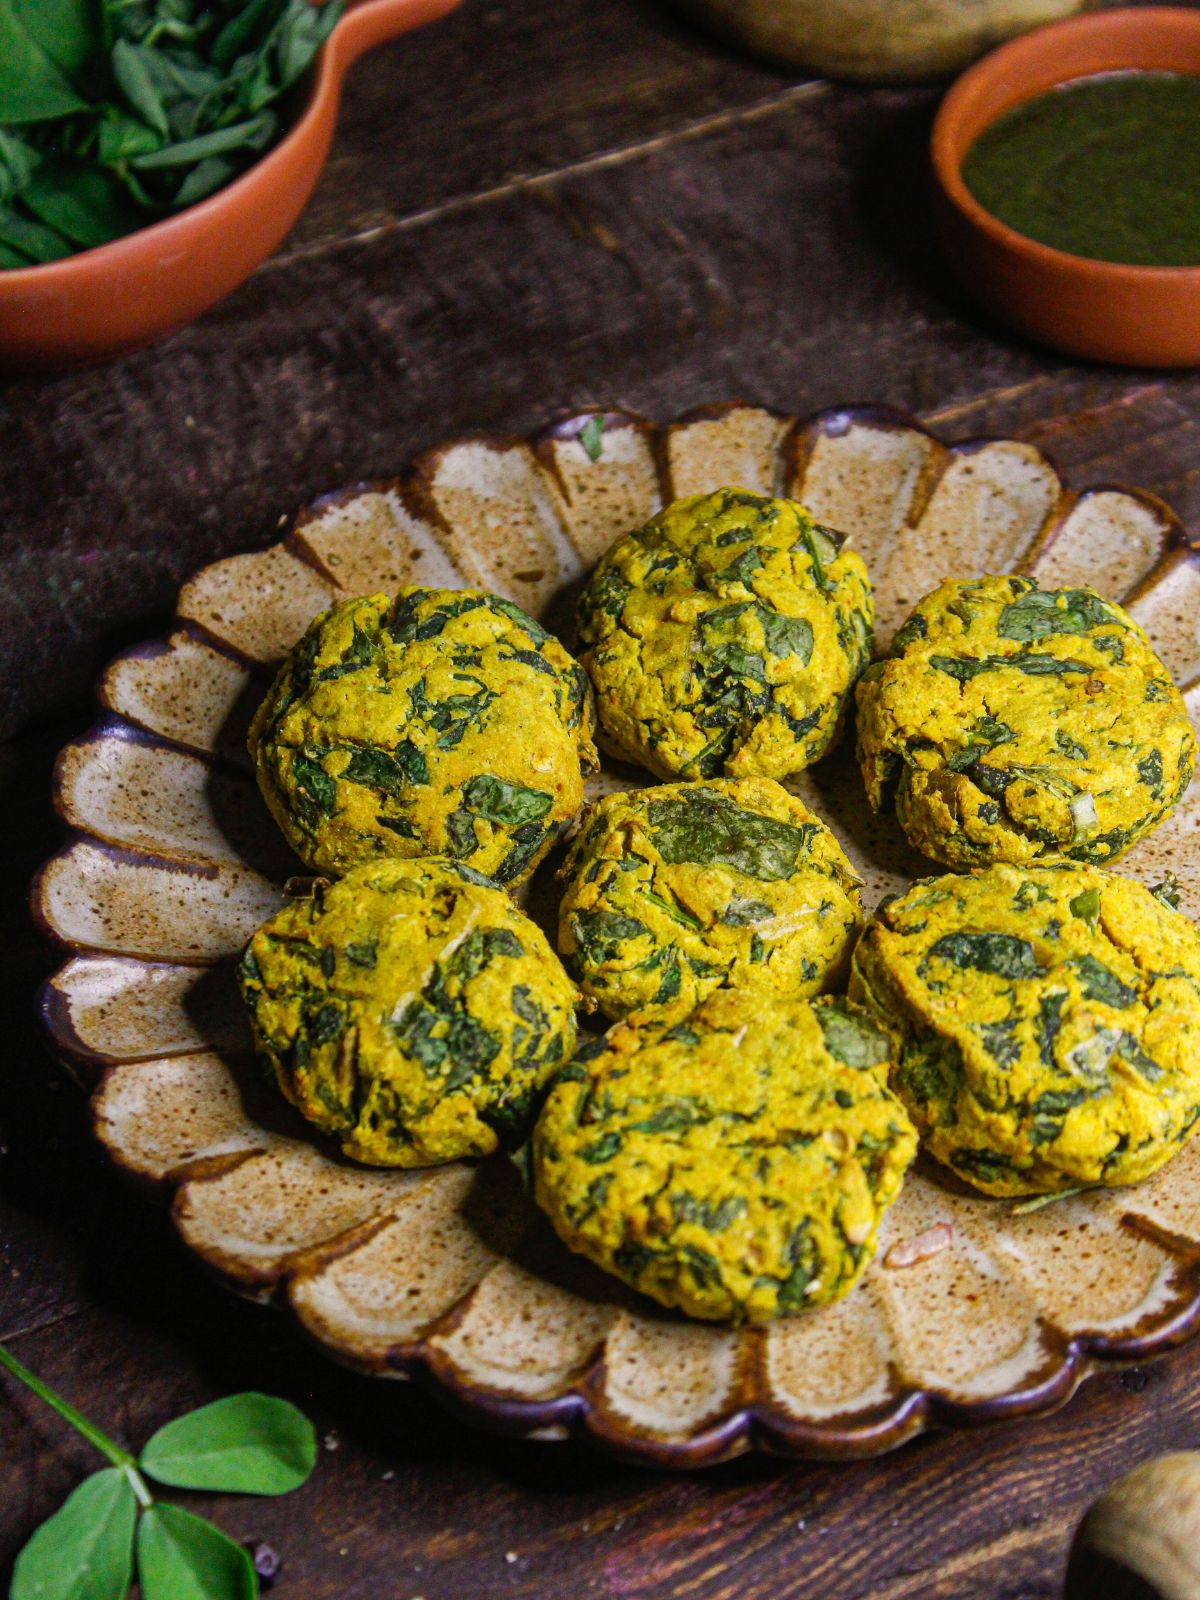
x: 535, y: 205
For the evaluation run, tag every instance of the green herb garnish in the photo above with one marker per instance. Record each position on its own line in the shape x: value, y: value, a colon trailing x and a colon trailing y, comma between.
x: 1024, y: 1208
x: 246, y: 1444
x: 117, y: 113
x: 591, y: 436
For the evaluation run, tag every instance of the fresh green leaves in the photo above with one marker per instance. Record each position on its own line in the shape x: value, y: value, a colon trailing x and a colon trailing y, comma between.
x: 591, y: 436
x: 33, y: 88
x: 245, y: 1444
x: 248, y: 1443
x: 85, y: 1550
x: 133, y: 109
x: 182, y: 1557
x: 707, y: 827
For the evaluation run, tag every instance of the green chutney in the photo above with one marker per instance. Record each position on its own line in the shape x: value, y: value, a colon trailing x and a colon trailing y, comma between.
x: 1106, y: 167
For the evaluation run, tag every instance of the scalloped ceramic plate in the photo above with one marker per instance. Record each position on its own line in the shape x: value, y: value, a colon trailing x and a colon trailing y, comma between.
x: 450, y: 1272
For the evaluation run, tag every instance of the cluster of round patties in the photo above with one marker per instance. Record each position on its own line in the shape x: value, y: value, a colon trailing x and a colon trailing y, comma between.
x: 731, y: 1144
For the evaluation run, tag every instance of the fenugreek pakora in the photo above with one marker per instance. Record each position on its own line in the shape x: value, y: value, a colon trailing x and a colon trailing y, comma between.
x: 1046, y: 1023
x: 735, y: 1164
x: 445, y: 722
x: 1012, y: 723
x: 410, y: 1011
x: 725, y: 636
x: 677, y: 891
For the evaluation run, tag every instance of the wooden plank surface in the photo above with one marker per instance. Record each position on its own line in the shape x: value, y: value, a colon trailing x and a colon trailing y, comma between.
x: 530, y: 207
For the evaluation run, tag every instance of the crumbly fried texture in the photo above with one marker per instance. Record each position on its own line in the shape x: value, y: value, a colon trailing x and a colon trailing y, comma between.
x: 1012, y: 723
x: 725, y: 636
x: 1047, y: 1023
x: 735, y: 1164
x: 409, y: 1010
x: 676, y: 891
x: 445, y: 722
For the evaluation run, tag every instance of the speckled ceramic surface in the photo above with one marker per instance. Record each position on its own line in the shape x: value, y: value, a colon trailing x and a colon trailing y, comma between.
x: 450, y: 1273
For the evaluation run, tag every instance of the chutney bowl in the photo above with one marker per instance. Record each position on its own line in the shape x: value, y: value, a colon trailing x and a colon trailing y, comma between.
x: 1100, y: 310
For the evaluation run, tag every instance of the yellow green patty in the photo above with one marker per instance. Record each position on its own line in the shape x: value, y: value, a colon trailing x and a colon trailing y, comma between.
x: 736, y: 1164
x: 676, y: 891
x: 445, y: 722
x: 1047, y: 1022
x: 410, y: 1010
x: 1012, y: 723
x: 725, y: 636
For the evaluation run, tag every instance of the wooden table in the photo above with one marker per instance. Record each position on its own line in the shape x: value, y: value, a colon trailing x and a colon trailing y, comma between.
x: 533, y: 205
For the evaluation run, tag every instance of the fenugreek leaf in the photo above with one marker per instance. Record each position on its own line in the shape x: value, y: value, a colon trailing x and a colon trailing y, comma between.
x: 1042, y: 612
x: 705, y: 826
x: 254, y: 134
x: 85, y: 1550
x: 84, y: 203
x: 33, y: 88
x: 18, y: 159
x: 65, y: 29
x: 1002, y: 954
x: 1168, y: 891
x: 850, y: 1036
x: 182, y: 1557
x: 1086, y: 905
x: 135, y: 72
x: 591, y: 436
x: 501, y: 801
x: 31, y: 240
x: 244, y: 1444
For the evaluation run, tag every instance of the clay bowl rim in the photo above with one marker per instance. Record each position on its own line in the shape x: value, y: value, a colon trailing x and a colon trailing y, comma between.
x: 1020, y: 71
x: 334, y: 59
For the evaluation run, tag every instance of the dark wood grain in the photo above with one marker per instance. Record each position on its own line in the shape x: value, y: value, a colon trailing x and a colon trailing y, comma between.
x: 533, y: 206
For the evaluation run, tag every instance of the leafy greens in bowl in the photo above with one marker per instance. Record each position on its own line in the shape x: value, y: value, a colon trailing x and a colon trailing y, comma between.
x: 117, y: 113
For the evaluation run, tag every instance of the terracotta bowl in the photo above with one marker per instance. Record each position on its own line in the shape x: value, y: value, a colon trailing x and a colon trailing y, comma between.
x: 113, y: 299
x: 1140, y: 316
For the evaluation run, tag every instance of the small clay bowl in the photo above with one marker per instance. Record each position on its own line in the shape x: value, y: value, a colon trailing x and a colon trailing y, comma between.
x: 120, y: 296
x: 1104, y: 310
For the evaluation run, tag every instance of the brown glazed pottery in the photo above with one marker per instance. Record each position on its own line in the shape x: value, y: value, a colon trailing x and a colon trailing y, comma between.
x: 1139, y: 316
x: 449, y: 1274
x: 104, y: 302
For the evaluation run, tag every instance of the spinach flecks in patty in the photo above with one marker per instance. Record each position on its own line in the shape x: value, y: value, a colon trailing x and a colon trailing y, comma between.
x: 498, y: 800
x: 964, y: 668
x: 316, y: 791
x: 1099, y: 982
x: 850, y: 1037
x: 389, y: 772
x: 1001, y: 954
x: 708, y: 828
x: 599, y: 935
x: 1042, y: 612
x: 1150, y: 771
